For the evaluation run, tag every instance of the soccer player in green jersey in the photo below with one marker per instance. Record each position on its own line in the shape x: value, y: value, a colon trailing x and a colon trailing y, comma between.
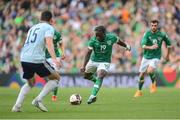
x: 151, y: 44
x: 57, y: 41
x: 98, y: 58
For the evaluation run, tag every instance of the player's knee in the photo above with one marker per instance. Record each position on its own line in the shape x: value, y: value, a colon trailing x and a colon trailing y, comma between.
x: 101, y: 76
x: 55, y: 76
x: 31, y: 83
x: 150, y: 71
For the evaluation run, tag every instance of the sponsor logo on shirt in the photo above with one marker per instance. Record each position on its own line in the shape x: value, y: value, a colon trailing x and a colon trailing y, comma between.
x: 159, y: 38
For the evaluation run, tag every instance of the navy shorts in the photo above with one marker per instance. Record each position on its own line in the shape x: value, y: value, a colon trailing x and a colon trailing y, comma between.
x: 41, y: 69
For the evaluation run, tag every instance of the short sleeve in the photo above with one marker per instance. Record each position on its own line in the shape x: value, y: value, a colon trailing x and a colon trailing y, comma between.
x: 58, y: 36
x: 144, y: 39
x: 115, y: 38
x: 49, y: 32
x: 90, y: 44
x: 167, y: 40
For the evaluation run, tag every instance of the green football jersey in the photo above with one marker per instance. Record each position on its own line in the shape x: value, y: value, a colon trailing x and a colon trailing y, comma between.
x: 149, y: 39
x: 57, y: 38
x: 102, y: 51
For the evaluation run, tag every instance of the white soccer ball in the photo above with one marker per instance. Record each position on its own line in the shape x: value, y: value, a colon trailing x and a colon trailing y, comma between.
x: 75, y: 99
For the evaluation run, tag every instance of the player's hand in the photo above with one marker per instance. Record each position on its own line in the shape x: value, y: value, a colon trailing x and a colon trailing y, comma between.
x: 58, y: 63
x: 128, y: 47
x: 167, y: 58
x: 155, y: 46
x: 63, y: 57
x: 82, y: 69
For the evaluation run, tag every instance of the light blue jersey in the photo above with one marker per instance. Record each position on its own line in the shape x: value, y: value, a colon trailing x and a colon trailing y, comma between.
x: 34, y: 47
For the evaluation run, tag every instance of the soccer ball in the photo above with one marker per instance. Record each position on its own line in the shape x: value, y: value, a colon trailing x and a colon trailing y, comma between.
x: 75, y: 99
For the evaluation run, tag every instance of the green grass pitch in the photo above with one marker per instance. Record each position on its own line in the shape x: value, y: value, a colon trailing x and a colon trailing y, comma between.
x: 112, y: 103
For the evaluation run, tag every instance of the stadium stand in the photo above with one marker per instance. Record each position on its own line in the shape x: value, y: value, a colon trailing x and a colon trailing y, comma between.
x: 76, y: 19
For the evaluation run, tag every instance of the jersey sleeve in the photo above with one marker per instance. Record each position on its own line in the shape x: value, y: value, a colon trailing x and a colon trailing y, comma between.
x: 58, y: 36
x: 167, y: 40
x: 115, y: 38
x: 49, y: 32
x: 90, y: 44
x: 144, y: 39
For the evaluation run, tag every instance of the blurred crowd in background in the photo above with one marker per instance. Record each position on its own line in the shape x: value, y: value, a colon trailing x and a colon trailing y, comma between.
x: 75, y: 20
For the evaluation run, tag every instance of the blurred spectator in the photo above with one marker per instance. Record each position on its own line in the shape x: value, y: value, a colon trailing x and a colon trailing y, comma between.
x: 76, y: 19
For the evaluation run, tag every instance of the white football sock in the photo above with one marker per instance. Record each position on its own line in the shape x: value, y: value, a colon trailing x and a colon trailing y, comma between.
x: 49, y: 86
x: 23, y: 92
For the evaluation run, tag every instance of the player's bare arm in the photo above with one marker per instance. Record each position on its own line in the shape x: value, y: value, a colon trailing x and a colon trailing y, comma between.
x: 168, y: 53
x: 62, y: 49
x: 128, y: 47
x: 50, y: 47
x: 86, y: 59
x: 155, y: 46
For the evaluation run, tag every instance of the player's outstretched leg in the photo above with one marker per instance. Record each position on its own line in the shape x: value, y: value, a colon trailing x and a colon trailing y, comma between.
x: 101, y: 73
x: 95, y: 90
x: 90, y: 76
x: 54, y: 96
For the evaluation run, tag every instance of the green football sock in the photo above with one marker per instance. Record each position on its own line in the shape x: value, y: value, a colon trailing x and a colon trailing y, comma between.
x: 55, y: 91
x: 96, y: 87
x: 141, y: 82
x: 153, y: 77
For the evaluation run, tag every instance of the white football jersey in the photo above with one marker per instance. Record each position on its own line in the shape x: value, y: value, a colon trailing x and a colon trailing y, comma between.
x: 34, y: 47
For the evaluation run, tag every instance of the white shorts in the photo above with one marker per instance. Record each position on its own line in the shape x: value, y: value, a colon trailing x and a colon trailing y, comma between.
x: 53, y: 64
x: 92, y: 66
x: 145, y: 63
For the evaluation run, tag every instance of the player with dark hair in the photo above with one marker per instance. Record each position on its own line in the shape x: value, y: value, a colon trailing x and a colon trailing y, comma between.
x: 98, y: 58
x: 33, y: 61
x: 151, y: 44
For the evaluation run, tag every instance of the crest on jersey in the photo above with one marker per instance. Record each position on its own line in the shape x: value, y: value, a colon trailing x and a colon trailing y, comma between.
x: 159, y: 38
x: 109, y: 42
x: 154, y: 41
